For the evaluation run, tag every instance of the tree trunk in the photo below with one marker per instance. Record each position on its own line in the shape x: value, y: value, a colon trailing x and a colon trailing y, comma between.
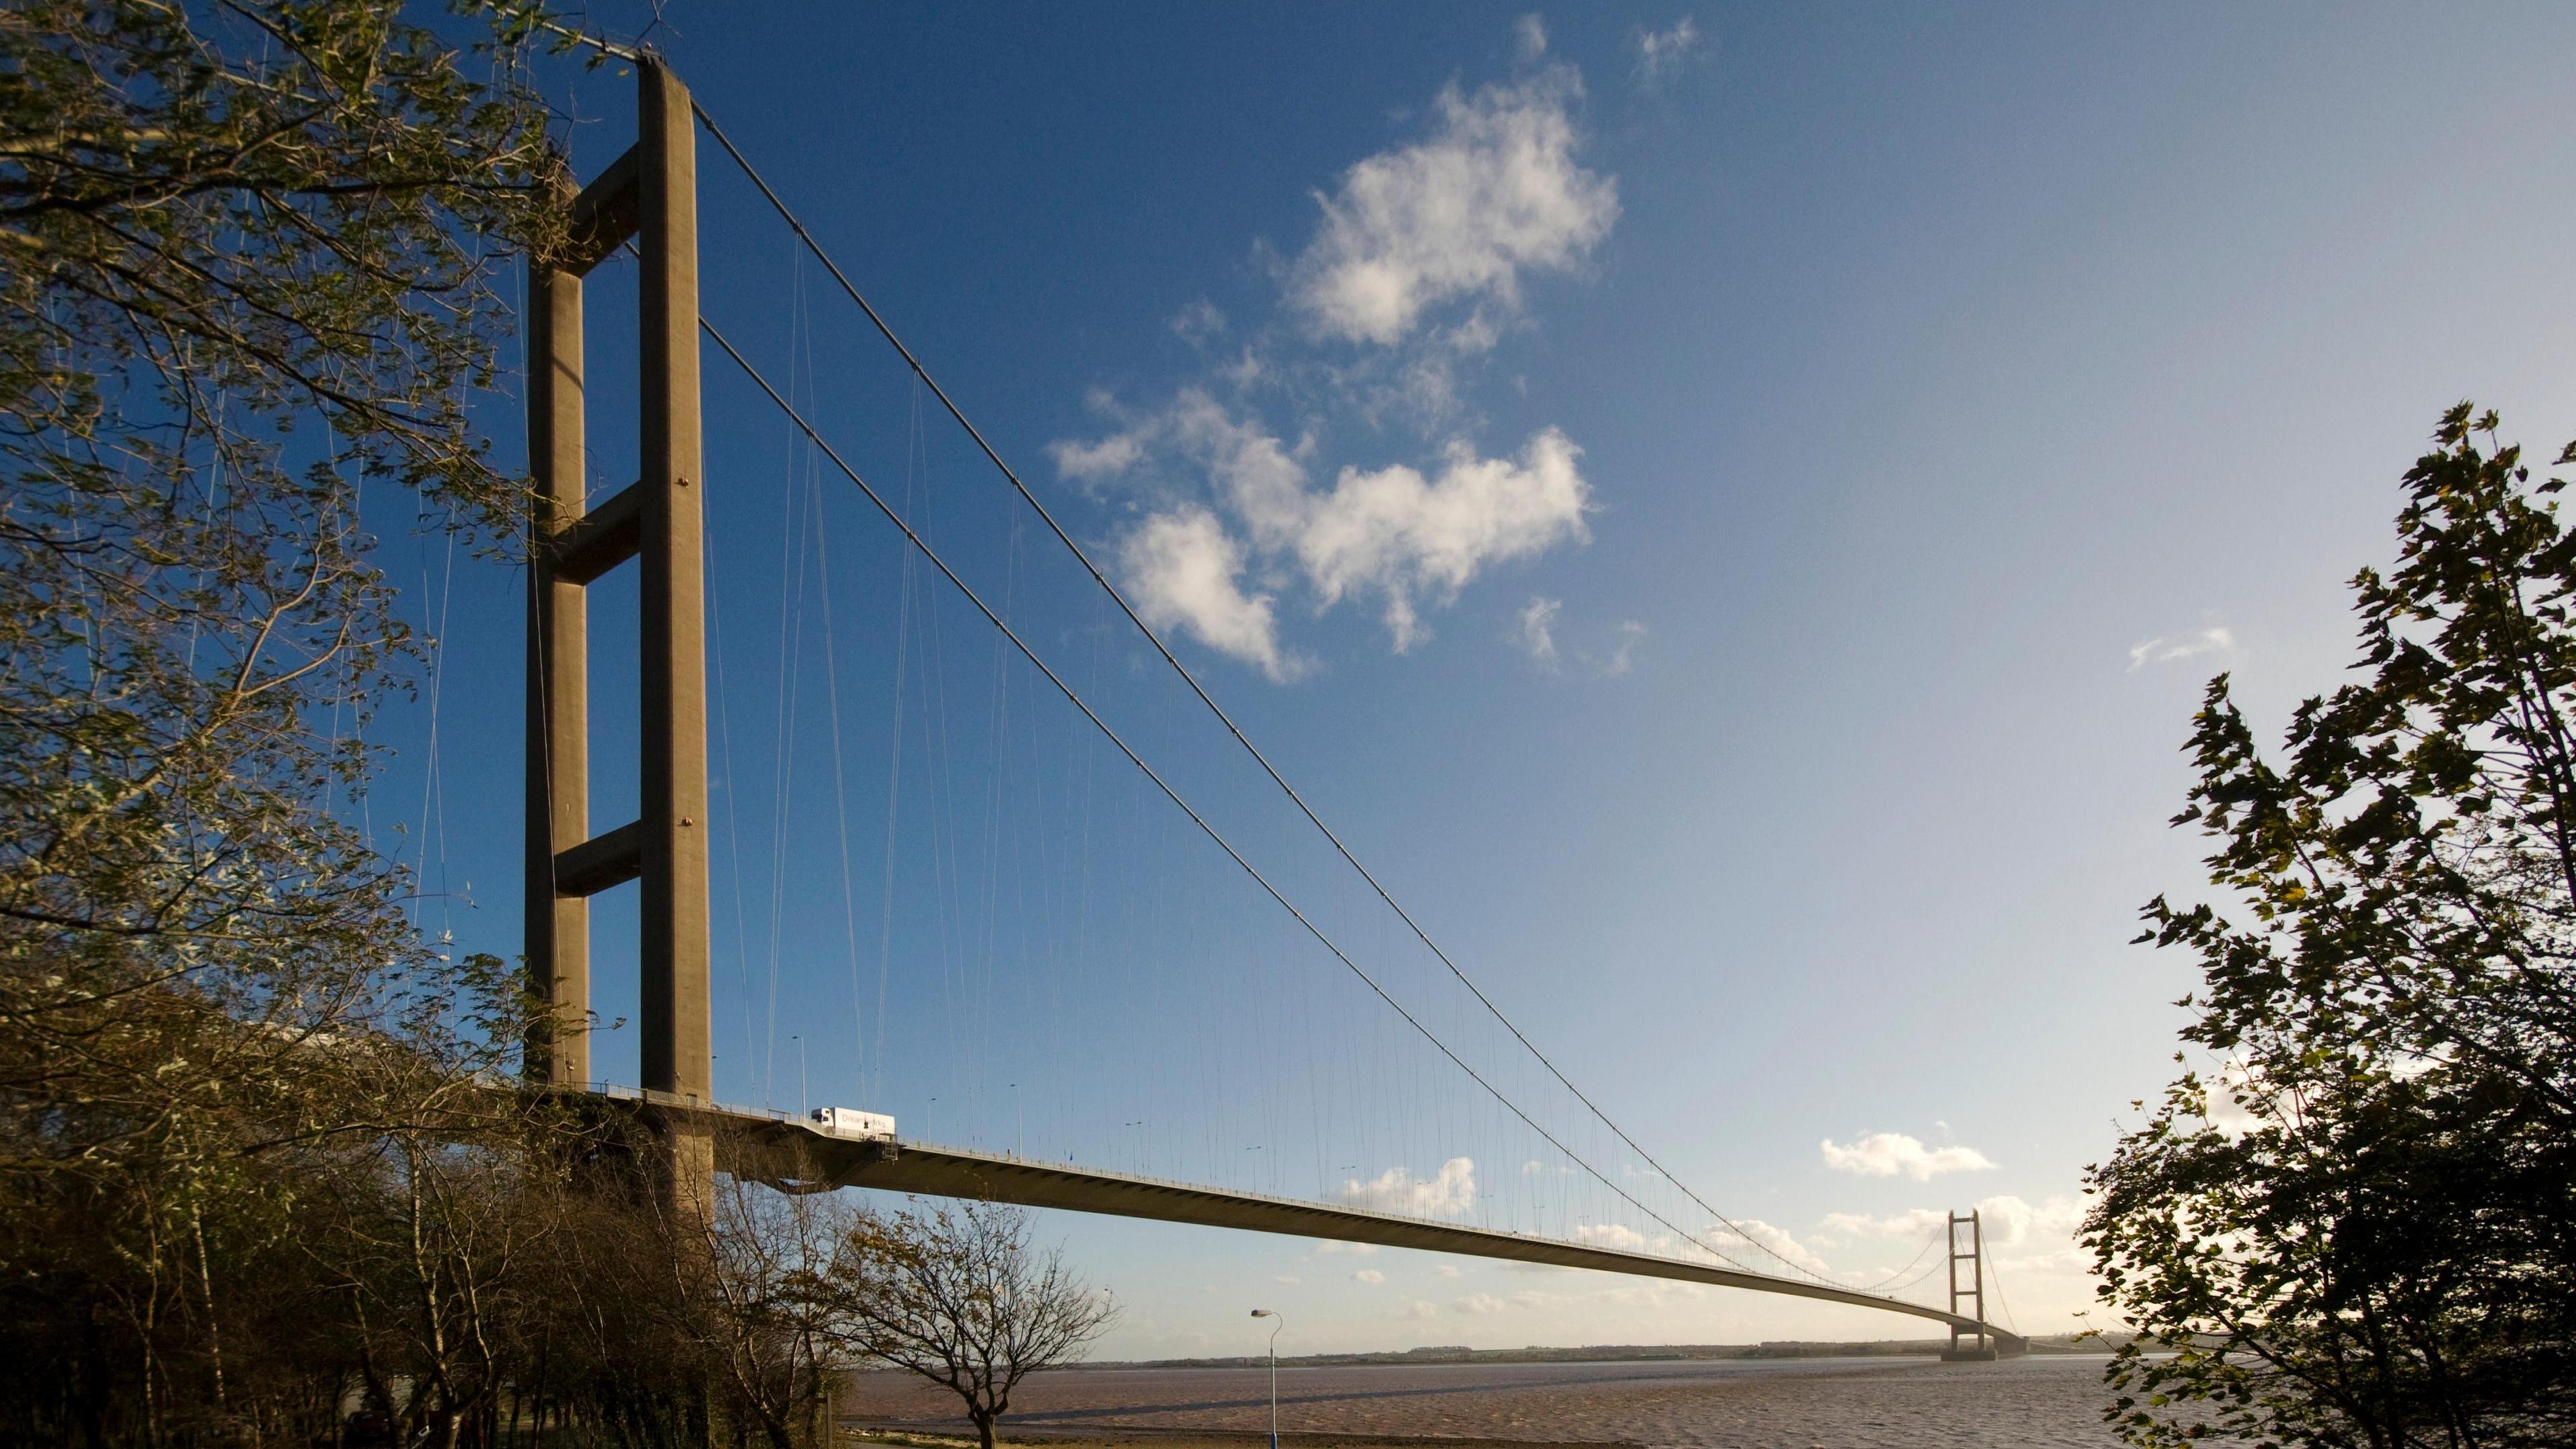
x: 983, y: 1427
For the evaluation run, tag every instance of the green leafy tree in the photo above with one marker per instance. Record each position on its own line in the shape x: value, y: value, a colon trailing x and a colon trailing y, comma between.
x: 2377, y: 1247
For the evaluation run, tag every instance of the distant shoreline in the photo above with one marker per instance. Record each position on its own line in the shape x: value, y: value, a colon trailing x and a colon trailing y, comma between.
x: 861, y: 1430
x: 2054, y: 1343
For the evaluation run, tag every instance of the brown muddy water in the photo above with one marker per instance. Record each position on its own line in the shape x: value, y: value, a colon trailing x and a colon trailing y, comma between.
x: 1836, y: 1403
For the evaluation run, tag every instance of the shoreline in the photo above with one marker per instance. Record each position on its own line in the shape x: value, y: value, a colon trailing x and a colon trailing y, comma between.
x: 2055, y: 1344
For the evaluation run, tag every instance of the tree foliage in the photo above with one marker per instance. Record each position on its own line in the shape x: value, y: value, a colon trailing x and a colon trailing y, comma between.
x: 2378, y: 1245
x: 248, y: 254
x: 265, y: 1174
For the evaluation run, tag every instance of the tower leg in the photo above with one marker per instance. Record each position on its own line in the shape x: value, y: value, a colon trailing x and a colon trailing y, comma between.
x: 558, y: 790
x: 677, y: 1052
x: 675, y: 941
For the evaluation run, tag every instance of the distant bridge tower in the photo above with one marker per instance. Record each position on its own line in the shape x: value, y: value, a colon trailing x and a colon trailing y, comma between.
x: 1977, y: 1348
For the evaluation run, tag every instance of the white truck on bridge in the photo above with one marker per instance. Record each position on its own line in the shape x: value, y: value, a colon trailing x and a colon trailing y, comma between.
x: 853, y: 1124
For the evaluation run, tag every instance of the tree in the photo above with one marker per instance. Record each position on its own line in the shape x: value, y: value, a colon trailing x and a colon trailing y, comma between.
x: 2379, y: 1247
x: 767, y: 1334
x: 960, y: 1297
x: 247, y: 263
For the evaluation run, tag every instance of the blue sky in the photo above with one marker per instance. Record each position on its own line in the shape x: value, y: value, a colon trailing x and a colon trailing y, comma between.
x: 1728, y: 511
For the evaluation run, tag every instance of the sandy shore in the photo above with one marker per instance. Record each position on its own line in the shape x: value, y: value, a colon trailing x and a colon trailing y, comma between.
x: 2033, y: 1403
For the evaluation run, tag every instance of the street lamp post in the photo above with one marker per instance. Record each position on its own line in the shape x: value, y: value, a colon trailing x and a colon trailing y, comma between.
x: 1276, y: 1323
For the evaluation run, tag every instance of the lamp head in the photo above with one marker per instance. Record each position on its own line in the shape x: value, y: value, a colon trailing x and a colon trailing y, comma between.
x: 1263, y: 1313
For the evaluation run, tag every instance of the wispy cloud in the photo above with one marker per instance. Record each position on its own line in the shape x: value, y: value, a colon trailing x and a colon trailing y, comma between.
x: 2044, y: 1232
x: 1529, y: 34
x: 1096, y: 462
x: 1661, y: 54
x: 1777, y: 1240
x: 1914, y: 1223
x: 2010, y: 1222
x: 1527, y: 1298
x: 1611, y: 1235
x: 1199, y: 321
x: 1493, y: 192
x: 1623, y: 651
x: 2170, y: 648
x: 1537, y: 632
x: 1450, y: 1191
x: 1368, y: 1275
x: 1889, y: 1154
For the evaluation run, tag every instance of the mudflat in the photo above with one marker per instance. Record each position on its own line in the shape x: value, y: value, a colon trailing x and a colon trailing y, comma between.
x: 2042, y: 1402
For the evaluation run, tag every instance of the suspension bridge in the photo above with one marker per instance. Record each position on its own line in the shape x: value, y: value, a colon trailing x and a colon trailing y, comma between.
x: 1462, y: 1060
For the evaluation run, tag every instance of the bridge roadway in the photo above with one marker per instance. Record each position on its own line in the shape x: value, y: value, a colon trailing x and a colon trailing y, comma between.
x: 791, y: 1154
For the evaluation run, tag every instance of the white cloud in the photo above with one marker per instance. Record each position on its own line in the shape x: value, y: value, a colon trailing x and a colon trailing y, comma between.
x: 2043, y: 1232
x: 1526, y: 1298
x: 1611, y: 1235
x: 1096, y: 462
x: 2168, y: 648
x: 1419, y: 1309
x: 1494, y: 191
x: 1361, y: 1250
x: 1530, y: 34
x: 1445, y: 1270
x: 1531, y: 1168
x: 2009, y: 1222
x: 1285, y: 1278
x: 1368, y: 1275
x: 1538, y: 629
x: 1257, y: 475
x: 1420, y: 255
x: 1392, y: 532
x: 1397, y: 1190
x: 1886, y: 1154
x: 2226, y: 1094
x: 1397, y: 533
x: 1662, y: 53
x: 1186, y: 572
x: 1245, y: 370
x: 1652, y: 1293
x: 1915, y: 1223
x: 1778, y: 1240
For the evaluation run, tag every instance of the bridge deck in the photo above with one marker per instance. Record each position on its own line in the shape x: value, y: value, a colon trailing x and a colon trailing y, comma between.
x: 762, y: 1142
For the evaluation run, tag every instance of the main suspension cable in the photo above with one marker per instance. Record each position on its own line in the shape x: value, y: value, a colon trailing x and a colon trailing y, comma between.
x: 1209, y: 830
x: 1118, y: 596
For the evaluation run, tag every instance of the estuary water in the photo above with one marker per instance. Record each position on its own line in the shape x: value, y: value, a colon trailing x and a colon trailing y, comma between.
x: 2045, y: 1402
